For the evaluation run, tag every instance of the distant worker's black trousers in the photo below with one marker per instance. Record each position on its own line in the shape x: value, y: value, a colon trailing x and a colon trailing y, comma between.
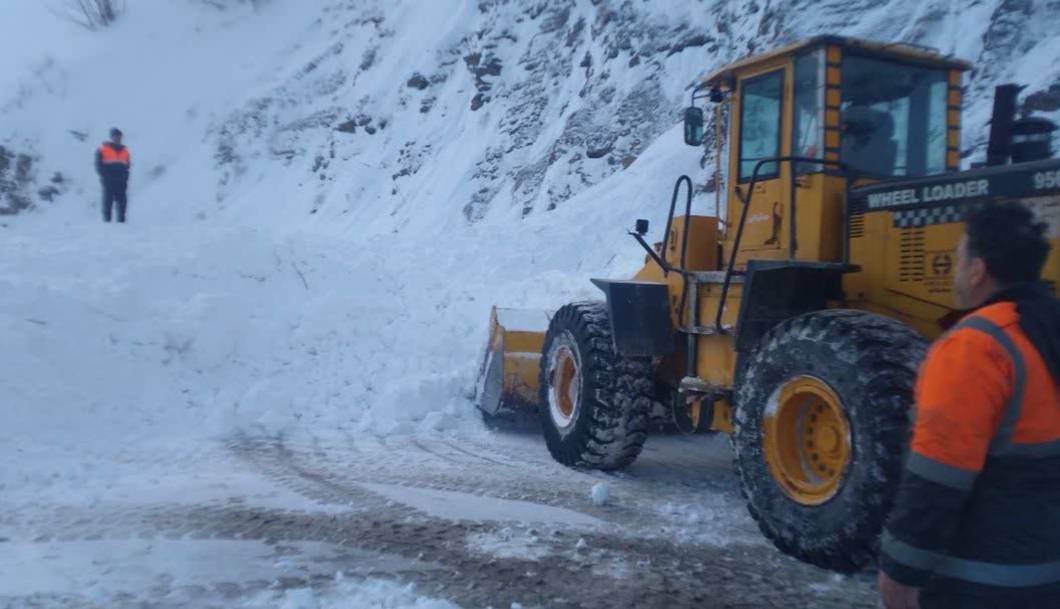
x: 114, y: 192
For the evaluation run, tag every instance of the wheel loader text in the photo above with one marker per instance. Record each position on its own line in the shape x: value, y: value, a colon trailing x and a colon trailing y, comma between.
x: 930, y: 194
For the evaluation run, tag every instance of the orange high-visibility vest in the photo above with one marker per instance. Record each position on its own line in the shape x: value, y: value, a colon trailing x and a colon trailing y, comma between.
x: 109, y: 156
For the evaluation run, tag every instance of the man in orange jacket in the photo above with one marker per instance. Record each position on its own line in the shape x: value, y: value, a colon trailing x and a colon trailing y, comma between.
x: 112, y: 164
x: 976, y: 521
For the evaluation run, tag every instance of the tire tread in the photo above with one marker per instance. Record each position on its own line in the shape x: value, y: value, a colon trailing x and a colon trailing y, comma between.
x: 619, y: 389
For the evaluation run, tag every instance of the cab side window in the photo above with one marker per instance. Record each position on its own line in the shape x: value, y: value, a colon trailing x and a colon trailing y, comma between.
x: 808, y: 136
x: 760, y: 124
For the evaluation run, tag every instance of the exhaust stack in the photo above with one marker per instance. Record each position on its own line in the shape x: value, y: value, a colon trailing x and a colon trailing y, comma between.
x: 999, y: 148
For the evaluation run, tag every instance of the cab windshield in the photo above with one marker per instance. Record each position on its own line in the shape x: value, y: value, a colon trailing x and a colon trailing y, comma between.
x: 893, y: 118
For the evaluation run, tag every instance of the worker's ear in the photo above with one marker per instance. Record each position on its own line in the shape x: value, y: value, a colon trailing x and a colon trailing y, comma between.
x: 977, y: 273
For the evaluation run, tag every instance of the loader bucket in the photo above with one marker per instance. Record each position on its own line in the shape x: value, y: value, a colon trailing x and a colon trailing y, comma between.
x: 508, y: 381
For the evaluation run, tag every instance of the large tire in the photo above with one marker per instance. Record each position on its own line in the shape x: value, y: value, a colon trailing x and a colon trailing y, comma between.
x: 594, y: 403
x: 867, y: 363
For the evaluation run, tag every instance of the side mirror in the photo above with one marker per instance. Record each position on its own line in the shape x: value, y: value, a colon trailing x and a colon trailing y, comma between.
x: 642, y: 227
x: 694, y: 126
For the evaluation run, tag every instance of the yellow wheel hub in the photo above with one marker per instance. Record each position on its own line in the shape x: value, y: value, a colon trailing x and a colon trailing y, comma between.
x: 806, y: 440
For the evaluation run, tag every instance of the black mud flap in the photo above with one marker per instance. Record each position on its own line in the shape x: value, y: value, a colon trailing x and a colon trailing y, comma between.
x: 778, y: 290
x: 640, y: 317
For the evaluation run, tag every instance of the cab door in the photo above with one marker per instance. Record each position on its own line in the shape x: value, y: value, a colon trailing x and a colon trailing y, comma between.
x: 761, y: 121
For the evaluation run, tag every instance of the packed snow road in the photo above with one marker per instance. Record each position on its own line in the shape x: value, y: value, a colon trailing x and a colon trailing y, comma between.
x: 200, y: 416
x: 476, y: 519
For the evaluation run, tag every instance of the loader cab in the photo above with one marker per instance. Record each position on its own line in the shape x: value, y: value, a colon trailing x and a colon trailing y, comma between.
x: 867, y: 111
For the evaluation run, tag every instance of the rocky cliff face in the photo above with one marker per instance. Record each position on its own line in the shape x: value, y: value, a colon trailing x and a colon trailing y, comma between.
x: 556, y: 96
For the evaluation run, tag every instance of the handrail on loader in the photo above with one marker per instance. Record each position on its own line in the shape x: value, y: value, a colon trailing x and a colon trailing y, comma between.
x: 746, y: 201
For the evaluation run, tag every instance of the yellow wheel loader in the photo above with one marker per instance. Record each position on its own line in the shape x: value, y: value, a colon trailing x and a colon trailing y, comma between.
x: 797, y: 324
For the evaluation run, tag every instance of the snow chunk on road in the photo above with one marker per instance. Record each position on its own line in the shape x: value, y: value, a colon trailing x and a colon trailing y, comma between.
x: 453, y: 505
x: 600, y: 494
x: 508, y: 543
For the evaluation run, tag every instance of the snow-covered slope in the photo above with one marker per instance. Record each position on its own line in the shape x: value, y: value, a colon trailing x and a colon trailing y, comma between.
x: 394, y: 115
x: 328, y: 195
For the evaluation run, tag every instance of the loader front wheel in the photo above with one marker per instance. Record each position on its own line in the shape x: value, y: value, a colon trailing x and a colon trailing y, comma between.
x: 821, y: 423
x: 594, y: 403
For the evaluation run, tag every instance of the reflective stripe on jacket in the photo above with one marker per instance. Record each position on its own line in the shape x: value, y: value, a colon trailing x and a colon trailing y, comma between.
x: 979, y: 504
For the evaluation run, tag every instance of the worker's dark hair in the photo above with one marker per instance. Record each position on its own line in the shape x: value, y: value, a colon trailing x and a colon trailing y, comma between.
x: 115, y: 131
x: 1010, y: 241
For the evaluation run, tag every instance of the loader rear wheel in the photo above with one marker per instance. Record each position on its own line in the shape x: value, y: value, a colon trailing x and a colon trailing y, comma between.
x: 594, y: 403
x: 821, y: 423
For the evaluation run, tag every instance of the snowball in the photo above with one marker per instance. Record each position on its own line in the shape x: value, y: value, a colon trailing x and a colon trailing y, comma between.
x: 600, y: 494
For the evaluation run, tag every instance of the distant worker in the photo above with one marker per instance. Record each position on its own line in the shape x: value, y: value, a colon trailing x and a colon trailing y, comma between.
x: 112, y: 165
x: 976, y: 520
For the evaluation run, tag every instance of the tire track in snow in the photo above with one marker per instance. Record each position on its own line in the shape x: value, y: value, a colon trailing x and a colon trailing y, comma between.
x: 477, y: 457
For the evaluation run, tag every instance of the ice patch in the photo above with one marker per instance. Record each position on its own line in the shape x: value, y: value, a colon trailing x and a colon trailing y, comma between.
x: 105, y: 569
x: 302, y: 598
x: 348, y: 594
x: 456, y: 506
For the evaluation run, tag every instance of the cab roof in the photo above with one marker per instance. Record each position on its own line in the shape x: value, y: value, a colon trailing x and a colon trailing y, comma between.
x: 901, y: 51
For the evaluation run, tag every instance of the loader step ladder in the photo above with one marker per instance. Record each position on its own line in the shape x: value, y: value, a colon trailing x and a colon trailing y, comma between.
x: 696, y: 279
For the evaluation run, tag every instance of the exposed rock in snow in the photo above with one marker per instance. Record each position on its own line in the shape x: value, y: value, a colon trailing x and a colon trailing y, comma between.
x: 16, y: 179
